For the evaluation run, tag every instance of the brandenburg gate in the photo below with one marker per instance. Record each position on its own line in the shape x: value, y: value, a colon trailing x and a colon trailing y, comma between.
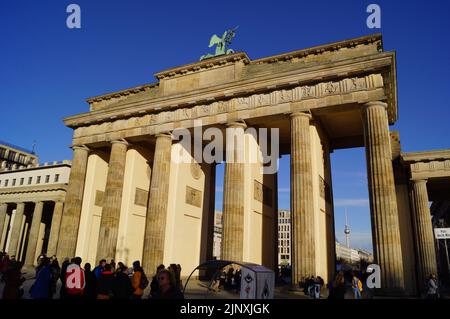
x: 129, y: 200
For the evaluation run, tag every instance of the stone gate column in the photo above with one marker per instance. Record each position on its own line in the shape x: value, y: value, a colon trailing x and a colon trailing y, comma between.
x: 54, y: 228
x: 33, y: 234
x: 72, y: 208
x: 383, y: 202
x: 423, y: 232
x: 155, y: 227
x: 3, y: 211
x: 15, y: 229
x: 233, y: 202
x: 302, y: 208
x: 112, y: 201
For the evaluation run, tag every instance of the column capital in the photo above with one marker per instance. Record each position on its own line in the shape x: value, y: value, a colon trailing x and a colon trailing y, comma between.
x: 120, y: 141
x: 236, y: 124
x: 79, y: 147
x: 164, y: 134
x: 376, y: 103
x: 419, y: 181
x: 298, y: 114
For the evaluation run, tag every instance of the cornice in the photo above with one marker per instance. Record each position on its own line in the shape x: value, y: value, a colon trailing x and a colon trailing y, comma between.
x: 204, y: 64
x: 330, y: 47
x: 425, y: 156
x: 333, y: 70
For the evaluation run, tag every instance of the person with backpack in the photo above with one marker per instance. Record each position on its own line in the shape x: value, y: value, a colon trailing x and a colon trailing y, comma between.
x: 75, y: 279
x: 139, y: 280
x: 357, y: 286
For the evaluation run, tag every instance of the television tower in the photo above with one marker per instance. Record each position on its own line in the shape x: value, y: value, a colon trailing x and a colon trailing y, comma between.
x: 347, y: 231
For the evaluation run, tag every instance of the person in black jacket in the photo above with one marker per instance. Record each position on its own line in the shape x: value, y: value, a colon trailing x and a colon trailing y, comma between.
x: 105, y: 284
x: 154, y: 285
x: 62, y: 291
x: 122, y: 284
x: 90, y: 281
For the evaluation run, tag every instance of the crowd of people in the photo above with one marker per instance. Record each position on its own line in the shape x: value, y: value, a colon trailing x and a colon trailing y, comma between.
x: 228, y: 278
x: 107, y: 280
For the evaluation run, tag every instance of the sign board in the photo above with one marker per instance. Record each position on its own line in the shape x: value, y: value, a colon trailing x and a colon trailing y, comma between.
x: 257, y: 282
x: 442, y: 233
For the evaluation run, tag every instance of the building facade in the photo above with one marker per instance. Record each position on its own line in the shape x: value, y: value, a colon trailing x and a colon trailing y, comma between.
x: 12, y: 156
x: 31, y: 206
x: 284, y: 237
x: 128, y: 199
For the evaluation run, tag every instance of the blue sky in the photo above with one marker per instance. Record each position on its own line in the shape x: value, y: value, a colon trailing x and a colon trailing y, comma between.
x: 47, y: 70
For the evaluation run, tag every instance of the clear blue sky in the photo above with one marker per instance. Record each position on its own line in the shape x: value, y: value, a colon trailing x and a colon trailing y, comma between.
x: 47, y: 70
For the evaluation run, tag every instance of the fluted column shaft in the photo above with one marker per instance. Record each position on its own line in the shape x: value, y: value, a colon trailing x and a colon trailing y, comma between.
x: 302, y: 208
x: 233, y: 201
x: 33, y: 234
x: 423, y: 232
x: 54, y: 228
x: 15, y: 229
x: 3, y: 211
x: 112, y: 201
x: 72, y: 208
x: 155, y: 227
x: 383, y: 201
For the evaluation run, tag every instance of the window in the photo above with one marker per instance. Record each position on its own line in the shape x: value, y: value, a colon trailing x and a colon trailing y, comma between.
x: 47, y: 178
x: 38, y: 180
x: 30, y: 179
x: 56, y: 178
x: 14, y: 182
x: 6, y: 182
x: 21, y: 181
x: 2, y: 152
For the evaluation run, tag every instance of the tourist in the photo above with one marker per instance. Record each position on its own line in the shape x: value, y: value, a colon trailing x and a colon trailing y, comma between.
x: 105, y: 283
x: 56, y: 272
x: 122, y: 284
x: 75, y: 291
x: 41, y: 288
x: 13, y: 280
x: 338, y: 290
x: 154, y: 286
x: 99, y: 269
x: 91, y: 282
x: 139, y: 280
x: 432, y: 287
x: 62, y: 291
x: 167, y: 286
x: 356, y: 286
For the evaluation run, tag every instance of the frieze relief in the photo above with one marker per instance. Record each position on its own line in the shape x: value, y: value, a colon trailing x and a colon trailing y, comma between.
x: 240, y: 103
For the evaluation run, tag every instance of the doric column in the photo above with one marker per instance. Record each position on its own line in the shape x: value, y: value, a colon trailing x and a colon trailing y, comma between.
x: 54, y: 228
x: 33, y: 234
x: 155, y: 225
x: 72, y: 208
x: 302, y: 209
x: 233, y: 199
x: 15, y: 229
x: 383, y: 201
x: 3, y: 211
x: 112, y: 201
x: 423, y: 232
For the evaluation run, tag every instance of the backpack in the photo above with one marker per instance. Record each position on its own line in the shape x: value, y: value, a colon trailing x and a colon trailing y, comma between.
x: 144, y: 281
x: 75, y: 280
